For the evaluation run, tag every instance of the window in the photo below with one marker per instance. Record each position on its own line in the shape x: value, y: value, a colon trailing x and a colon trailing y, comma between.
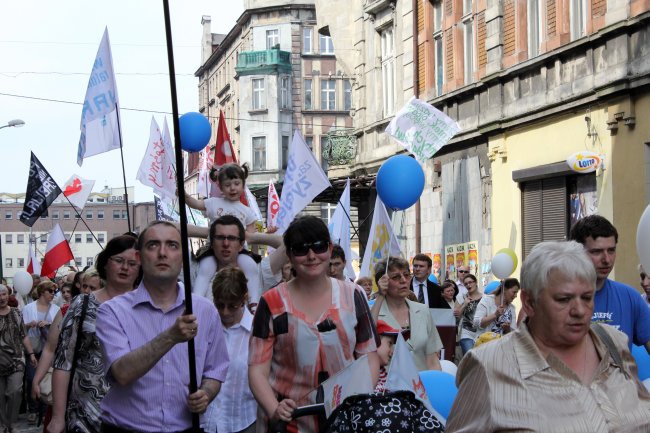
x: 67, y: 237
x: 9, y: 239
x: 467, y: 7
x: 285, y: 84
x: 325, y: 43
x: 308, y: 89
x: 578, y: 11
x: 323, y: 160
x: 77, y: 261
x: 77, y: 215
x: 89, y: 238
x: 117, y: 215
x: 44, y: 238
x: 9, y: 263
x: 388, y: 71
x: 100, y: 214
x: 272, y: 39
x: 439, y: 59
x: 77, y: 238
x: 89, y: 215
x: 328, y: 95
x: 327, y: 212
x: 534, y: 27
x: 347, y: 95
x: 124, y: 215
x: 19, y: 213
x: 21, y: 263
x: 20, y: 239
x: 9, y: 215
x: 285, y: 151
x: 89, y: 261
x: 468, y: 50
x: 259, y: 153
x: 66, y: 215
x: 55, y: 215
x: 259, y: 101
x: 309, y: 141
x: 100, y: 237
x: 437, y: 16
x: 306, y: 40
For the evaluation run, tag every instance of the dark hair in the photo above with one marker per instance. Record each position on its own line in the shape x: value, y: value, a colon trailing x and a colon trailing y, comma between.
x: 140, y: 242
x: 423, y: 258
x: 115, y: 246
x: 229, y: 171
x: 73, y: 290
x: 594, y: 226
x: 228, y: 220
x: 76, y: 281
x: 508, y: 283
x: 393, y: 263
x: 337, y: 252
x: 230, y: 284
x: 306, y: 228
x: 472, y: 276
x: 449, y: 283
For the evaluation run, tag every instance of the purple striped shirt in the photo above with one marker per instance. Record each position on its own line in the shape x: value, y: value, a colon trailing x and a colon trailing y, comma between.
x: 157, y: 402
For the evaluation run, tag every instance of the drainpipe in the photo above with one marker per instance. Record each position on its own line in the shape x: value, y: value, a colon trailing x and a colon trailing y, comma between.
x: 416, y: 85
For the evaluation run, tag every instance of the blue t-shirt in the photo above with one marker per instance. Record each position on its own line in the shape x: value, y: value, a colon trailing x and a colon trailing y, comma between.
x: 622, y: 307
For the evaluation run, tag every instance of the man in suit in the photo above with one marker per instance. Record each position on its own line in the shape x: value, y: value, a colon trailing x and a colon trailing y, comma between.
x: 427, y: 292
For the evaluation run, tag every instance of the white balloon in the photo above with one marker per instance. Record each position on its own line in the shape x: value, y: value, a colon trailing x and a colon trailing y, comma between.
x: 23, y: 282
x: 647, y: 383
x: 643, y: 239
x: 448, y: 367
x: 502, y: 265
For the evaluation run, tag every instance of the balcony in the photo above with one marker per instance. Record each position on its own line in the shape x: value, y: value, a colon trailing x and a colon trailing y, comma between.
x: 263, y: 62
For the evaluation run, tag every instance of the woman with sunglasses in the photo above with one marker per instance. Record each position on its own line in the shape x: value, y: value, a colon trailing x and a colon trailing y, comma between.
x: 393, y: 307
x: 307, y: 329
x: 119, y: 267
x: 465, y: 310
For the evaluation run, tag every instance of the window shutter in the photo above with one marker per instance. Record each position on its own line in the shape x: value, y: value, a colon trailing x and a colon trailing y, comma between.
x: 550, y: 18
x: 481, y: 33
x: 544, y: 211
x: 509, y: 28
x: 449, y: 54
x: 421, y: 15
x: 422, y: 68
x: 531, y: 204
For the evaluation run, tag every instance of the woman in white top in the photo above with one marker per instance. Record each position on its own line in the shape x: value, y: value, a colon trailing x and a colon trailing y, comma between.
x: 234, y: 409
x: 495, y: 312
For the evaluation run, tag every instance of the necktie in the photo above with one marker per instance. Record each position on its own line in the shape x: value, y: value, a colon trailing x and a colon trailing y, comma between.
x: 421, y: 294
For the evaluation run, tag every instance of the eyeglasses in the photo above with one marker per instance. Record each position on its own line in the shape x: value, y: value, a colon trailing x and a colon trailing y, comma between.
x: 49, y: 290
x: 460, y: 271
x: 120, y: 261
x: 222, y: 238
x: 398, y: 277
x: 318, y: 247
x: 231, y: 307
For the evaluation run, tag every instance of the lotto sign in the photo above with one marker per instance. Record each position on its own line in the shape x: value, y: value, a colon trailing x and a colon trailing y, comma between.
x: 584, y: 162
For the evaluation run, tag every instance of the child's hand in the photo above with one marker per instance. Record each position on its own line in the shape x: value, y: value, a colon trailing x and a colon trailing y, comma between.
x: 271, y: 229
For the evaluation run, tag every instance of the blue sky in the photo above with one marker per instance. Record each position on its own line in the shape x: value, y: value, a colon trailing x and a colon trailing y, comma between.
x: 47, y: 49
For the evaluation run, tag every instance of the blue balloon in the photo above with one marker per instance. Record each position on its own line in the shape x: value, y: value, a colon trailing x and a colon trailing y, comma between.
x: 195, y: 131
x: 400, y: 181
x: 441, y: 390
x: 491, y: 287
x: 433, y: 279
x: 642, y: 361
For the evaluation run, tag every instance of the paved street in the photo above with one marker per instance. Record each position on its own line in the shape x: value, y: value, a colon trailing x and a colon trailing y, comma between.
x: 24, y: 427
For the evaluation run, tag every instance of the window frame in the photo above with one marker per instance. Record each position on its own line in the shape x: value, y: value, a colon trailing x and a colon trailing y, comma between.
x: 328, y: 94
x: 325, y: 45
x: 258, y: 149
x: 258, y: 99
x: 272, y: 35
x: 308, y: 40
x: 308, y: 94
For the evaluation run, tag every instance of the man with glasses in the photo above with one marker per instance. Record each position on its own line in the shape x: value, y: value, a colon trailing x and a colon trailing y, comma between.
x: 426, y: 291
x: 462, y: 272
x: 143, y: 334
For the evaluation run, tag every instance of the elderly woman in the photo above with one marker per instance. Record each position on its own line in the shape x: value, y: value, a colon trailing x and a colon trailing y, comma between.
x: 495, y: 312
x: 13, y: 343
x: 645, y: 285
x: 449, y: 293
x: 557, y: 371
x: 78, y: 365
x: 393, y: 307
x: 306, y: 329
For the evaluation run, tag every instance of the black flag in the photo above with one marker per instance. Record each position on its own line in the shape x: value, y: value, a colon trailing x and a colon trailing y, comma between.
x: 42, y: 190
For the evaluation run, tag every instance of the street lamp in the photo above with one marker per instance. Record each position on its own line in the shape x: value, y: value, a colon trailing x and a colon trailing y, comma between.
x: 16, y: 122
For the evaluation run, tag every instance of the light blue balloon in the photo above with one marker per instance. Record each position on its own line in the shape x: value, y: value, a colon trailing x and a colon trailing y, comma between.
x: 642, y: 361
x: 491, y: 287
x: 400, y: 182
x: 441, y: 390
x: 433, y: 279
x: 195, y: 131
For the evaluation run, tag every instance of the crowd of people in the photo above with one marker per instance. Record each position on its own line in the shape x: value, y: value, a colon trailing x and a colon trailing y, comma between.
x: 268, y: 331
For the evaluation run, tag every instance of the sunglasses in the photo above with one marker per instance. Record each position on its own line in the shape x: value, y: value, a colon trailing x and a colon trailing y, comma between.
x: 398, y: 277
x: 231, y: 307
x: 222, y: 238
x: 318, y: 247
x: 463, y: 272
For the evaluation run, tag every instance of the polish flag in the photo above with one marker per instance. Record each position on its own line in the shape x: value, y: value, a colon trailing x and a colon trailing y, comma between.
x: 77, y: 190
x: 274, y: 206
x: 224, y: 154
x: 58, y: 252
x: 33, y: 265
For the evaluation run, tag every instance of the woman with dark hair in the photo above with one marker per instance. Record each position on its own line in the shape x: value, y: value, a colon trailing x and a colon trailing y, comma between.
x: 449, y: 293
x: 495, y: 312
x: 307, y: 329
x: 465, y: 309
x: 82, y: 370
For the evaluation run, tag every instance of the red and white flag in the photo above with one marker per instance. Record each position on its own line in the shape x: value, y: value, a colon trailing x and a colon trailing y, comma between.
x: 274, y: 206
x: 33, y: 265
x: 77, y: 190
x: 58, y: 252
x: 224, y: 154
x: 205, y: 163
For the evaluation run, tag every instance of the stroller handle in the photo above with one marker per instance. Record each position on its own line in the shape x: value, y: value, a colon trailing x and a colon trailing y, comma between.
x: 312, y: 409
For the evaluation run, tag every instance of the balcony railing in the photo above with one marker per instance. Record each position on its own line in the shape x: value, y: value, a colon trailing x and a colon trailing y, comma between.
x: 267, y: 61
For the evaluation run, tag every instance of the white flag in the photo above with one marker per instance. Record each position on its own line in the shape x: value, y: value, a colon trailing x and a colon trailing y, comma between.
x: 421, y: 128
x: 340, y: 229
x: 380, y: 238
x: 303, y: 180
x: 403, y: 375
x: 252, y: 203
x: 33, y: 265
x: 273, y: 207
x: 169, y: 165
x: 206, y: 161
x: 151, y: 172
x: 99, y: 116
x: 77, y: 190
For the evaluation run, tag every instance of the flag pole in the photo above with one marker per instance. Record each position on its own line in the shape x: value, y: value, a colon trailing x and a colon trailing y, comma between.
x: 126, y: 194
x: 181, y: 206
x: 79, y: 217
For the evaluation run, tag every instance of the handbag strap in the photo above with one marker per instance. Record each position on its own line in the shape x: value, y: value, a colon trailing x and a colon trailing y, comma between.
x: 611, y: 347
x: 77, y: 346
